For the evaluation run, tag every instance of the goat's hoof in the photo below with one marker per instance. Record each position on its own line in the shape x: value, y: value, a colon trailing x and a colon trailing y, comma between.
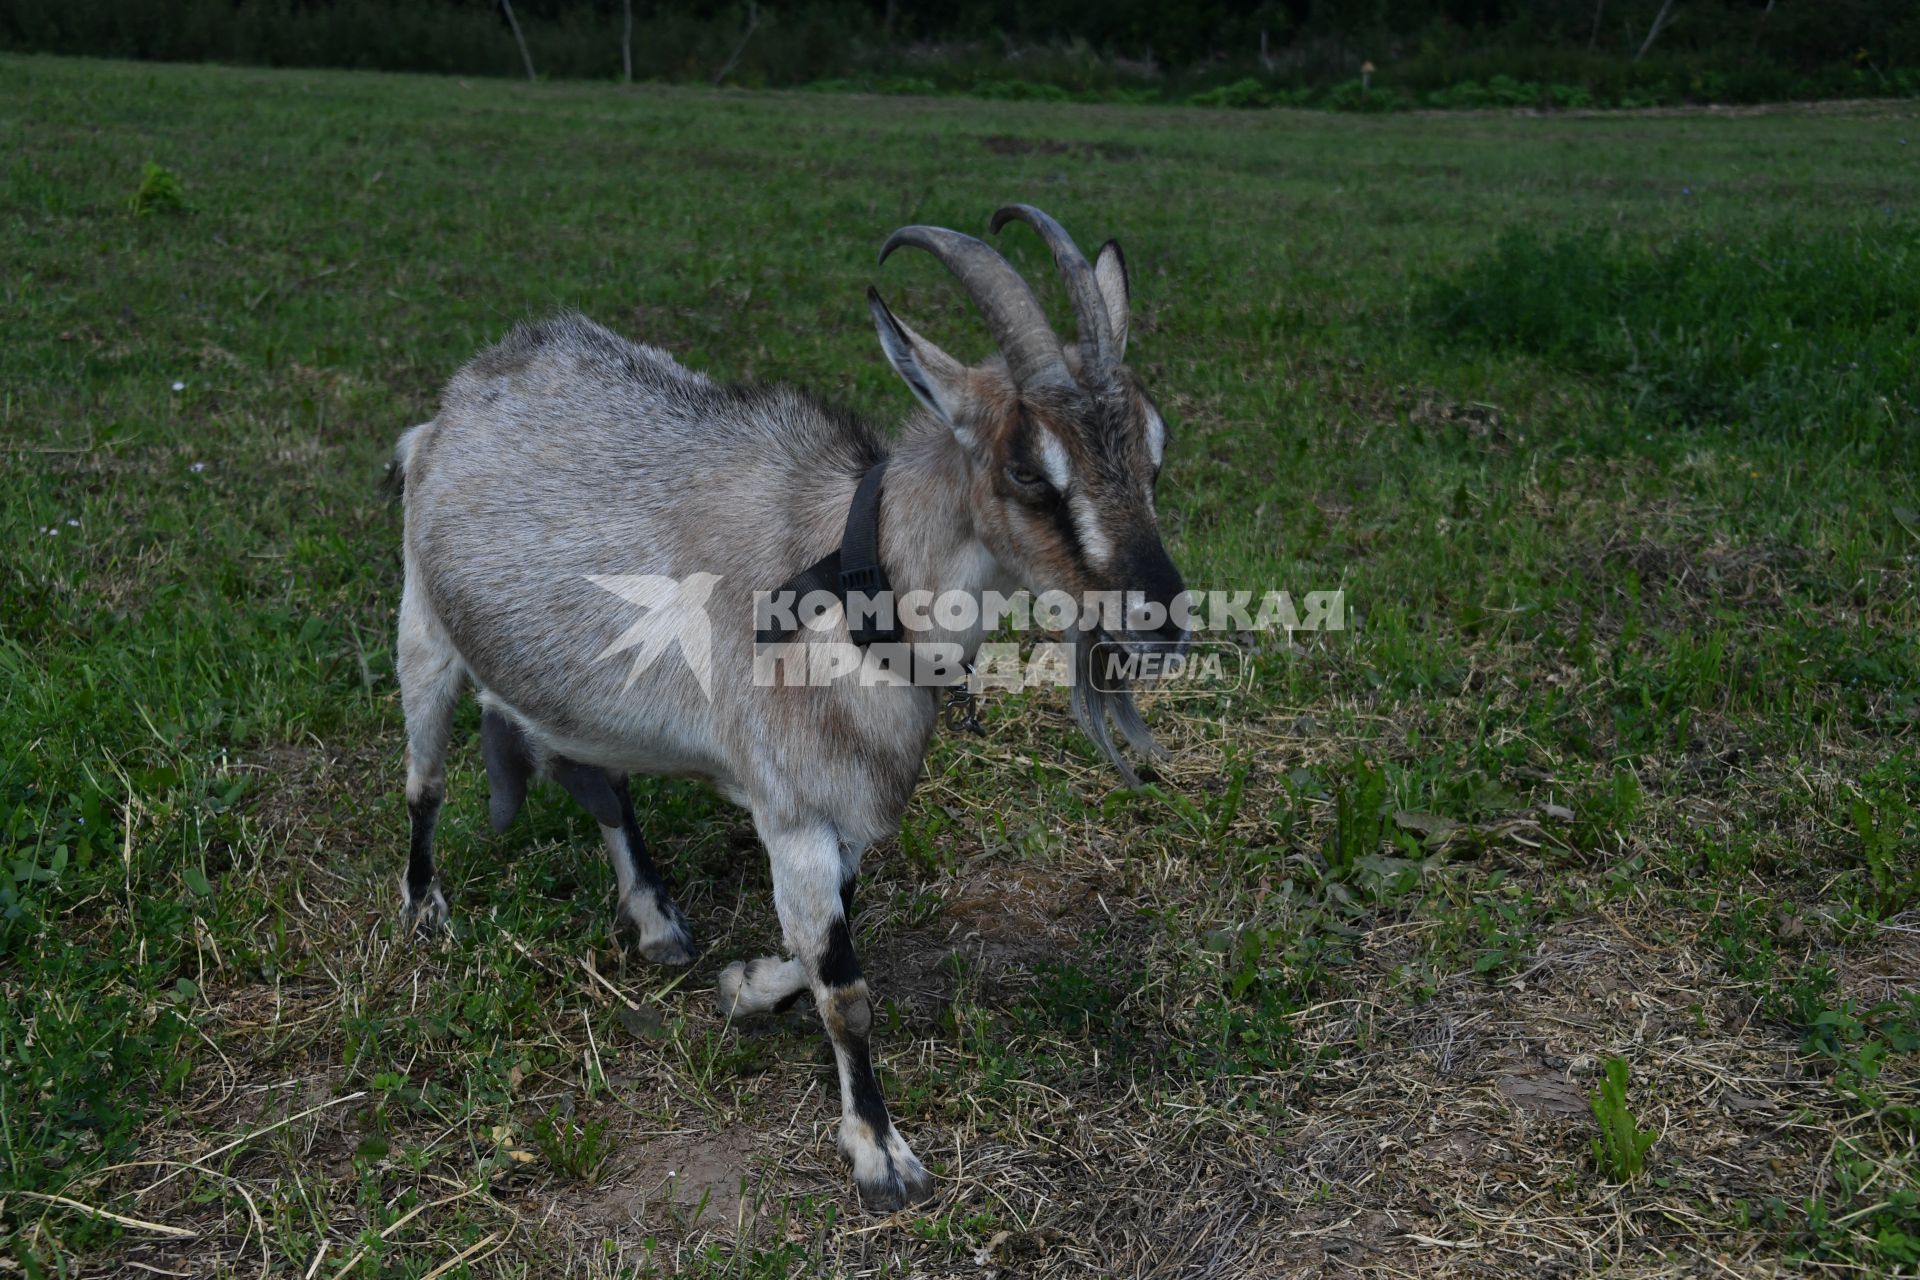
x: 898, y: 1188
x: 747, y: 988
x: 426, y: 916
x: 888, y: 1174
x: 671, y: 951
x: 727, y: 988
x: 657, y: 930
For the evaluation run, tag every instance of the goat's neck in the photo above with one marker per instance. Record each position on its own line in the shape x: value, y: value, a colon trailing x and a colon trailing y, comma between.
x: 927, y: 534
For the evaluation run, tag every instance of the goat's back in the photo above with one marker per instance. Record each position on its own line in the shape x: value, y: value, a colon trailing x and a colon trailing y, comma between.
x: 566, y: 453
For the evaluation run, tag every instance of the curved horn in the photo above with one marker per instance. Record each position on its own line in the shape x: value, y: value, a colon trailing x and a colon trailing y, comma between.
x: 1089, y: 307
x: 1014, y: 318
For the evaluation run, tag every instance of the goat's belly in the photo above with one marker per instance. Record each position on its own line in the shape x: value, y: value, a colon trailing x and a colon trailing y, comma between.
x: 657, y: 751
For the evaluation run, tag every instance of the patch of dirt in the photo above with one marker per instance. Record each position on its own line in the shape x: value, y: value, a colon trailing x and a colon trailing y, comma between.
x: 1888, y: 968
x: 1542, y: 1094
x: 1748, y: 575
x: 291, y: 784
x: 1452, y: 1135
x: 683, y: 1169
x: 998, y: 923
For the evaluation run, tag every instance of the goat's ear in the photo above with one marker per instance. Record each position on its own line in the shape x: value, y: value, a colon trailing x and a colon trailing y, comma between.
x: 1110, y: 273
x: 937, y: 380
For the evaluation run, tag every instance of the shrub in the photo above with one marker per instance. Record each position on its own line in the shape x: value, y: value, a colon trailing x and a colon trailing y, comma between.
x: 1569, y: 97
x: 1351, y: 95
x: 1247, y: 92
x: 912, y: 86
x: 1019, y: 91
x: 159, y: 192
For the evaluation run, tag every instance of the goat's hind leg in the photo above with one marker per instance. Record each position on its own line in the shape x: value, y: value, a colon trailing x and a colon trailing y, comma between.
x: 809, y: 879
x: 646, y: 910
x: 430, y: 673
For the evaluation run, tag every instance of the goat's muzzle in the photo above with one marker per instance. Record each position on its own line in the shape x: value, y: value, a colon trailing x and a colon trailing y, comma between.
x: 1152, y: 623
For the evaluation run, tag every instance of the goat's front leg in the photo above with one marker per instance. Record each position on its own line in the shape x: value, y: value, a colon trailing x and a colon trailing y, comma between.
x: 770, y: 984
x: 809, y: 874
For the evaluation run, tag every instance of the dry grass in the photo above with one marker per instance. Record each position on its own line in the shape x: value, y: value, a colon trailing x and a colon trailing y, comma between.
x: 1429, y: 1129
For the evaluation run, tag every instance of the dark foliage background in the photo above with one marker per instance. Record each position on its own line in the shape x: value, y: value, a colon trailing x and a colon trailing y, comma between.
x: 1554, y: 52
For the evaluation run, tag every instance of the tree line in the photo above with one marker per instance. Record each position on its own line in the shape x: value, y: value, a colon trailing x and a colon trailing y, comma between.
x: 1734, y: 49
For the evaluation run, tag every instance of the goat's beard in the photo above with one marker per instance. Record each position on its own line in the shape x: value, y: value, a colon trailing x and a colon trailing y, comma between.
x: 1092, y: 706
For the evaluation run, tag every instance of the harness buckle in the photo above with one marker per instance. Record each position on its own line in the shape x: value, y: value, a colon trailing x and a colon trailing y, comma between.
x: 862, y: 578
x: 962, y: 707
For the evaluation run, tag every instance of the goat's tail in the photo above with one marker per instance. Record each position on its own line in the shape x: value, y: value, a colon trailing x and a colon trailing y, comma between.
x: 395, y: 481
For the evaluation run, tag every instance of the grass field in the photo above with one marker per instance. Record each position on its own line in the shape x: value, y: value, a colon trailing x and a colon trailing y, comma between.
x: 1605, y: 425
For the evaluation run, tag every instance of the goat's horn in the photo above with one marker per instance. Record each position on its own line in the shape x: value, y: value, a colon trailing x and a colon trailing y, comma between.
x: 1089, y: 307
x: 1013, y: 315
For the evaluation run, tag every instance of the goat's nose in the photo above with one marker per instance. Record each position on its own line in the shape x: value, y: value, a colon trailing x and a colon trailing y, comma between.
x: 1151, y: 622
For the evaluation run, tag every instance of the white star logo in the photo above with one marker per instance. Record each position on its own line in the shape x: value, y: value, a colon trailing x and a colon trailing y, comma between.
x: 673, y: 611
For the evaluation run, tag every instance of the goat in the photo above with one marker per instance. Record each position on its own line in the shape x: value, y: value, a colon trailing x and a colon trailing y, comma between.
x: 565, y: 454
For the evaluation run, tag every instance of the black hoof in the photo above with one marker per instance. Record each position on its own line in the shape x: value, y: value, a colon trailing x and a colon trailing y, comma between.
x: 425, y: 917
x: 664, y: 939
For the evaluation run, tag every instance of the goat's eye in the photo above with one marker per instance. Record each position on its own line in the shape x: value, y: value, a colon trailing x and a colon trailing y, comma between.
x: 1025, y: 477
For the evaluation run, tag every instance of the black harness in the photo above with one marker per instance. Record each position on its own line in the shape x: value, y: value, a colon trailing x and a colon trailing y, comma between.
x: 853, y: 566
x: 852, y: 574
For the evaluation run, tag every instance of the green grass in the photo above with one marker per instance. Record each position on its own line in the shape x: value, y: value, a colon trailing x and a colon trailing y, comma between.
x: 1810, y: 336
x: 1620, y: 1151
x: 1617, y: 473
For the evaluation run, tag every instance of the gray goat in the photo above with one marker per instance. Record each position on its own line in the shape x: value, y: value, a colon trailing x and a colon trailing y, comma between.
x: 566, y: 455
